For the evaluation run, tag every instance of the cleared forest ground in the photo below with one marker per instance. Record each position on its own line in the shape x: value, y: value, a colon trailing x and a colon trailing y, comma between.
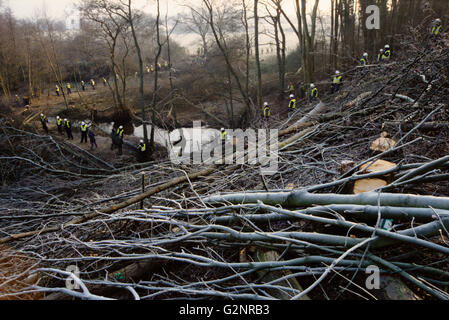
x: 223, y: 232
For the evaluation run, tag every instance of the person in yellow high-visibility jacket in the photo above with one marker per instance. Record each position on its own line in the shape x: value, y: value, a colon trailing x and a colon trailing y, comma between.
x: 291, y: 104
x: 336, y: 82
x: 387, y: 53
x: 141, y: 150
x: 83, y: 129
x: 313, y: 93
x: 68, y: 129
x: 436, y: 29
x: 117, y: 139
x: 57, y: 90
x: 266, y: 111
x: 44, y: 122
x: 380, y: 56
x: 223, y: 136
x: 60, y: 124
x: 142, y: 147
x: 364, y: 59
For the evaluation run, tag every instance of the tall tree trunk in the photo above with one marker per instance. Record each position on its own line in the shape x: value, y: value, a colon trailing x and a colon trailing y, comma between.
x: 247, y: 45
x: 248, y: 110
x: 170, y: 75
x: 156, y: 74
x: 141, y: 92
x: 256, y: 46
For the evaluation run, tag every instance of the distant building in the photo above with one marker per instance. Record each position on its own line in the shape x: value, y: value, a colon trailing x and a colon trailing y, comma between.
x: 73, y: 19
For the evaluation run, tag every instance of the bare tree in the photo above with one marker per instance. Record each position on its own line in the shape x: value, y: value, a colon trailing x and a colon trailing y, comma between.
x: 114, y: 27
x: 280, y: 41
x: 196, y: 23
x: 48, y: 43
x: 168, y: 32
x: 221, y: 43
x: 257, y: 55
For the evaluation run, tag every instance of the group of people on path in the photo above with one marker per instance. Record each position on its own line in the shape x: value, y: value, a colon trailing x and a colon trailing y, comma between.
x: 117, y: 135
x: 313, y: 96
x: 66, y: 125
x: 69, y: 87
x: 384, y: 55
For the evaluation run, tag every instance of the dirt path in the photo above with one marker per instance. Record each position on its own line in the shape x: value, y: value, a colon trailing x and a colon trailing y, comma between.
x: 103, y: 151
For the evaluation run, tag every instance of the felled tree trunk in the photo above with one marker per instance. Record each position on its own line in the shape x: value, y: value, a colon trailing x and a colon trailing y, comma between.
x: 307, y: 120
x: 302, y: 198
x: 268, y: 276
x: 392, y: 288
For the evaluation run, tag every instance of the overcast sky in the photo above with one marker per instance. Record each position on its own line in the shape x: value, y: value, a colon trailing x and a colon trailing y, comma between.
x: 56, y: 8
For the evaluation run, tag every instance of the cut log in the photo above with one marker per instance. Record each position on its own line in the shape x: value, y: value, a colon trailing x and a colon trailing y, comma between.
x: 290, y: 186
x: 367, y: 185
x: 377, y: 166
x: 346, y: 165
x: 383, y: 143
x: 357, y: 100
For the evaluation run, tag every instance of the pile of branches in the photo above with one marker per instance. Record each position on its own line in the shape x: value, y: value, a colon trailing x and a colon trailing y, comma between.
x: 224, y: 232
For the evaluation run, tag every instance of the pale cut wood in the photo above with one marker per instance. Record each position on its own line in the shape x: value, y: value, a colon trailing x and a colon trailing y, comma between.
x: 367, y: 185
x: 382, y: 143
x: 377, y: 166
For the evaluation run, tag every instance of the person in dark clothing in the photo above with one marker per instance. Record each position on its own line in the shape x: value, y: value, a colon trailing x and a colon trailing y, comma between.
x: 141, y: 151
x: 117, y: 139
x: 68, y: 129
x: 113, y: 139
x: 120, y: 133
x: 93, y: 141
x: 44, y: 122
